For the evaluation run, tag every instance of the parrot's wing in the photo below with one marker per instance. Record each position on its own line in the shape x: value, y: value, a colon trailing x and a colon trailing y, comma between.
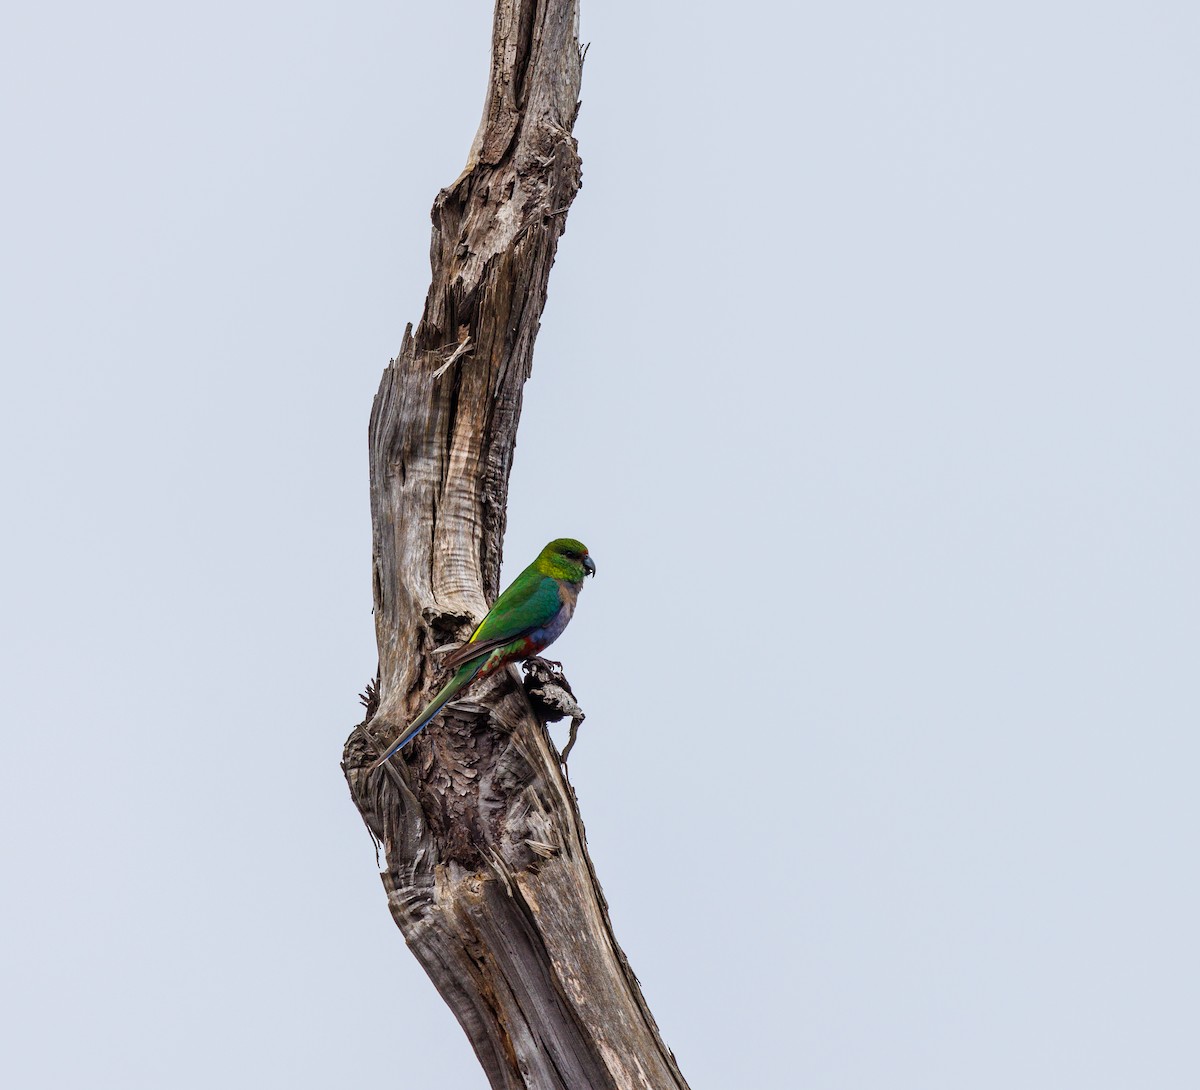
x: 529, y: 603
x: 468, y: 651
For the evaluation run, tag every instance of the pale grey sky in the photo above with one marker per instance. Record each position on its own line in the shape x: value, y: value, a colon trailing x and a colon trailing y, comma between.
x: 870, y: 377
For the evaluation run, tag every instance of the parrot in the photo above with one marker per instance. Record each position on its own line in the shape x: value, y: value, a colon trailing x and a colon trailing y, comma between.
x: 526, y: 619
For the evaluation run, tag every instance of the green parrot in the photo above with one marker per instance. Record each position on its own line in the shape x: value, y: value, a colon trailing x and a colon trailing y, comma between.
x: 526, y: 619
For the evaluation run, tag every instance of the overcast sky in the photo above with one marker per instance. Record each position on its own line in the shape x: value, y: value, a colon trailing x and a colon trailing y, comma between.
x: 869, y: 375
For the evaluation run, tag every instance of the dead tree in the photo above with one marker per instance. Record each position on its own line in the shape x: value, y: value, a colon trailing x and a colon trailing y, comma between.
x: 487, y: 871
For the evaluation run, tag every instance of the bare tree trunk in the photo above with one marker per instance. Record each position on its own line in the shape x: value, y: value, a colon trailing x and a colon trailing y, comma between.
x: 487, y: 871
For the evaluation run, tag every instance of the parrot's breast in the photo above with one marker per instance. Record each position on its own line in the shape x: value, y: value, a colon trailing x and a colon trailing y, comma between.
x: 543, y: 637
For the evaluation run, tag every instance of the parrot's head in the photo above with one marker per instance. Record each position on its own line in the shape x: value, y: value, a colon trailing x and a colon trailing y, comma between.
x: 566, y: 558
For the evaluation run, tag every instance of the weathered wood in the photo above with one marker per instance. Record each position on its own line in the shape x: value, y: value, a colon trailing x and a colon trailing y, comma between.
x: 487, y: 871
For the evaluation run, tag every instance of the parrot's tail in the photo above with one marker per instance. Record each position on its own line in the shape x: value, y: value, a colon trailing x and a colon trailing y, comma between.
x: 461, y: 679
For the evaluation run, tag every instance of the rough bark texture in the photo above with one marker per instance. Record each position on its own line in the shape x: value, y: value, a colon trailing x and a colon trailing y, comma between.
x: 487, y: 873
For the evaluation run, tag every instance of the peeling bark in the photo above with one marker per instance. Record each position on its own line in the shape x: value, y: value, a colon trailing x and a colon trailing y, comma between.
x: 487, y: 872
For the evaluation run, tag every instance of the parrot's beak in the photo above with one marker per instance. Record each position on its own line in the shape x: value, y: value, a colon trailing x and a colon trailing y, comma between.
x: 589, y: 565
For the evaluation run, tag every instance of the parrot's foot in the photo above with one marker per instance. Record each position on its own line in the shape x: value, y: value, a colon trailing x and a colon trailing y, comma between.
x: 546, y: 669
